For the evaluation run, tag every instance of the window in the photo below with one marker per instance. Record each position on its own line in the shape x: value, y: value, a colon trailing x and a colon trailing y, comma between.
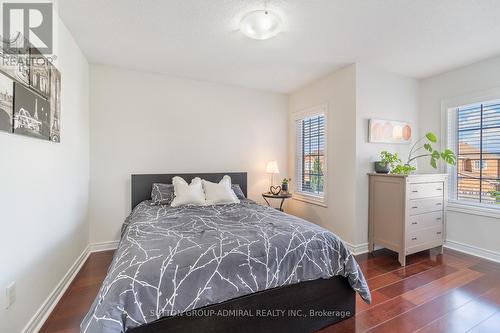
x: 474, y: 134
x: 480, y: 164
x: 310, y: 154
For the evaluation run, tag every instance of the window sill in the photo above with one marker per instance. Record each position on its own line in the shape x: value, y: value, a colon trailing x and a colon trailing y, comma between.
x: 473, y: 209
x: 309, y: 199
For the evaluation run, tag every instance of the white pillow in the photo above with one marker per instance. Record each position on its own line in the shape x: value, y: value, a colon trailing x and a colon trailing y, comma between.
x: 185, y: 194
x: 220, y: 193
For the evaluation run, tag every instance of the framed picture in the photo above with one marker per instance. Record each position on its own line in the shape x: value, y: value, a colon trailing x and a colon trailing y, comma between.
x: 55, y: 104
x: 39, y: 72
x: 15, y: 65
x: 389, y: 131
x: 6, y: 102
x: 31, y: 113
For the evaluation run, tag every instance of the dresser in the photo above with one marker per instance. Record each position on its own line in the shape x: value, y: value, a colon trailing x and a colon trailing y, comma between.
x: 407, y: 213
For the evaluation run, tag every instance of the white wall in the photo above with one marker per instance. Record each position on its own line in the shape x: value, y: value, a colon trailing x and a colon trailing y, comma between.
x: 467, y: 230
x: 383, y: 95
x: 148, y: 123
x: 338, y: 91
x: 354, y: 95
x: 360, y: 92
x: 44, y: 195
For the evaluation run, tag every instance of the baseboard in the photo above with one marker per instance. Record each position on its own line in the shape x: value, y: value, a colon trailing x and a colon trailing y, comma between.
x: 36, y: 322
x: 473, y: 250
x: 104, y: 246
x: 357, y: 249
x: 454, y: 245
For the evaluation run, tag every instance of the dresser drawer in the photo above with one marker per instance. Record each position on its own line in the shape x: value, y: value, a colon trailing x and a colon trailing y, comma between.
x: 425, y: 190
x: 423, y: 246
x: 424, y: 221
x: 420, y: 206
x: 423, y: 236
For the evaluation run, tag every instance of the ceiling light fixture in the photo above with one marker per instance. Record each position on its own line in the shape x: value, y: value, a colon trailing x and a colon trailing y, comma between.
x: 260, y: 24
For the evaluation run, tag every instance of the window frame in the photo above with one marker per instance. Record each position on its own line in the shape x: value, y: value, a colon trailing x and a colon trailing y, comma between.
x: 321, y: 109
x: 463, y: 206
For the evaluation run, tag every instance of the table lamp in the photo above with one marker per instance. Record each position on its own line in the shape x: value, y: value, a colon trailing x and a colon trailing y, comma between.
x: 272, y: 168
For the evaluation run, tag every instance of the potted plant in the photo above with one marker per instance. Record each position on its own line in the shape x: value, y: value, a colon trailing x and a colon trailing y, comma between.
x: 284, y: 184
x: 387, y: 162
x: 419, y: 150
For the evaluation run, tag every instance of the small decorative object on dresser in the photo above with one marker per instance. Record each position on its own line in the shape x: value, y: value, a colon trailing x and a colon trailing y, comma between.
x: 407, y: 212
x: 387, y: 162
x: 422, y: 148
x: 381, y: 167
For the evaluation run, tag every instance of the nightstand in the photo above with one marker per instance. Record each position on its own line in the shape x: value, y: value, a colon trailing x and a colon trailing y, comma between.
x: 281, y: 196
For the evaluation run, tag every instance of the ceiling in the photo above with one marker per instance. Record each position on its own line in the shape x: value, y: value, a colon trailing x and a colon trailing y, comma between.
x: 199, y: 39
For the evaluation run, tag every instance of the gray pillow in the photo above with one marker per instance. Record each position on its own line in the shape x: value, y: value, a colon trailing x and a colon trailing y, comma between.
x: 162, y: 194
x: 237, y: 190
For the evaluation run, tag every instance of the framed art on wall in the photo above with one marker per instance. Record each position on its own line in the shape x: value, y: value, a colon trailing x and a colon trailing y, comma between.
x: 389, y: 131
x: 31, y: 113
x: 6, y: 102
x: 30, y: 92
x: 55, y: 104
x: 39, y: 73
x: 15, y: 65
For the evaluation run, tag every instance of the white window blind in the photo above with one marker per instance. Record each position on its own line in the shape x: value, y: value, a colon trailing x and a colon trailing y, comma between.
x: 474, y: 135
x: 310, y: 154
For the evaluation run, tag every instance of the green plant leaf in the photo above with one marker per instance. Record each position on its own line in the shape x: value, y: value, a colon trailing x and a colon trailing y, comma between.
x: 435, y: 155
x: 431, y: 137
x: 403, y: 169
x: 389, y: 159
x: 428, y: 147
x: 449, y: 157
x: 434, y: 163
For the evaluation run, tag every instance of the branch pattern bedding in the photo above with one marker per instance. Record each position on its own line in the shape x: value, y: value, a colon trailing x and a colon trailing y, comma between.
x: 172, y: 260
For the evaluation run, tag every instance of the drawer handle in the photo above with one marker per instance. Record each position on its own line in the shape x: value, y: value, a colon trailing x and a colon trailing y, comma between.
x: 414, y: 223
x: 414, y: 238
x: 439, y: 204
x: 439, y: 189
x: 414, y: 207
x: 415, y: 191
x: 439, y: 232
x: 438, y: 218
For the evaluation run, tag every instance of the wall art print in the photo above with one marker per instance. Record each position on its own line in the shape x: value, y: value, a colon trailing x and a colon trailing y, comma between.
x: 39, y: 73
x: 15, y: 65
x: 6, y: 102
x: 31, y: 113
x: 55, y: 104
x: 30, y: 93
x: 389, y: 131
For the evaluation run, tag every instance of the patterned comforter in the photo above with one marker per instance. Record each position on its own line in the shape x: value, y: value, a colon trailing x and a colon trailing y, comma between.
x: 171, y: 260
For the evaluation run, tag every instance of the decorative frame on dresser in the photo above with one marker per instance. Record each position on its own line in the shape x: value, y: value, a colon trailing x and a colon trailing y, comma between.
x: 407, y: 212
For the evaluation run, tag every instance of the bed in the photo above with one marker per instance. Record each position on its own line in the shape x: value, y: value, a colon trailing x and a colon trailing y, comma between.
x: 239, y: 267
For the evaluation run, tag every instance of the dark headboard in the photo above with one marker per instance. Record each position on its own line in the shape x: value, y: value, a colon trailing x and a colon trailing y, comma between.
x: 142, y: 184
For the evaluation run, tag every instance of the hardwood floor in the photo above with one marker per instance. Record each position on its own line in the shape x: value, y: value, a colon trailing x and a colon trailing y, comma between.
x: 453, y: 292
x: 77, y: 300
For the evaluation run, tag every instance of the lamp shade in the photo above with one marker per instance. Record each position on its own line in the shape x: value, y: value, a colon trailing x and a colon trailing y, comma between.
x: 272, y: 167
